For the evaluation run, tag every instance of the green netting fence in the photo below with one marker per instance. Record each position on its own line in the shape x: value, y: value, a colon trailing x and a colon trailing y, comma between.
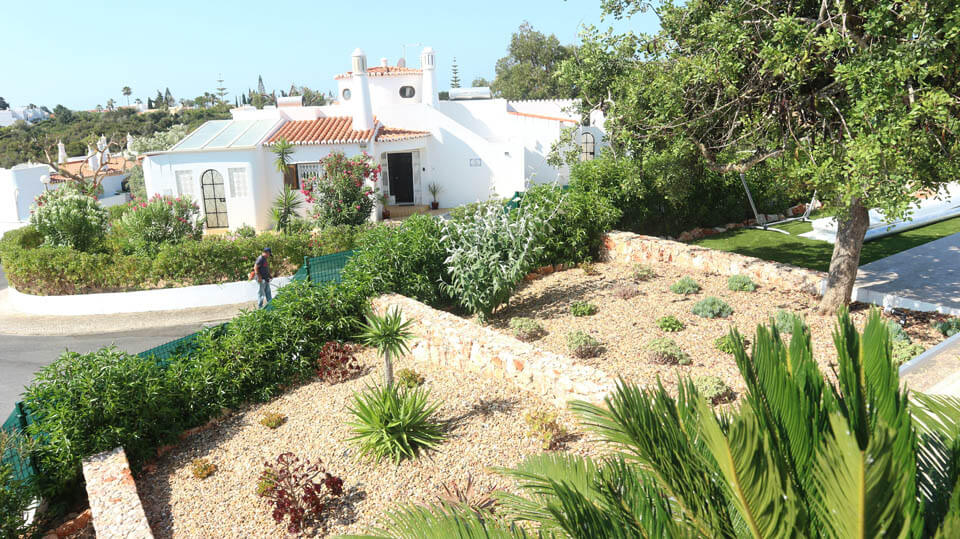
x: 318, y: 269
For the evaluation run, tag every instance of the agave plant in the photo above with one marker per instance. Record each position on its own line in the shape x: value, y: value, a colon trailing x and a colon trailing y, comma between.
x: 801, y: 456
x: 389, y: 334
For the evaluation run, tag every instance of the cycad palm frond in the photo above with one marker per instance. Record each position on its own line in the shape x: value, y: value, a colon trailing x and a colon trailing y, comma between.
x: 936, y: 419
x: 444, y: 520
x: 538, y: 476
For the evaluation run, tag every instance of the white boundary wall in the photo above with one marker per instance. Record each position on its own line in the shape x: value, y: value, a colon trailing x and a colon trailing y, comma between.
x: 163, y: 299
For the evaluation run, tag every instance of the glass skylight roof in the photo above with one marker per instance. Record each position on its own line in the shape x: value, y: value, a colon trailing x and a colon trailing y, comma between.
x: 220, y: 134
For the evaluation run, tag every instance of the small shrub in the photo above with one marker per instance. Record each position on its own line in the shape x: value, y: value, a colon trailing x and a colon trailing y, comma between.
x: 394, y: 422
x: 741, y: 283
x: 785, y: 321
x: 202, y: 468
x: 273, y: 420
x: 526, y: 329
x: 712, y: 307
x: 16, y: 495
x: 670, y: 323
x: 667, y: 352
x: 726, y: 344
x: 713, y: 389
x: 542, y: 423
x: 626, y: 291
x: 481, y: 503
x: 904, y: 351
x: 643, y: 273
x: 685, y: 286
x: 289, y: 486
x: 589, y: 268
x: 409, y: 378
x: 896, y: 331
x: 337, y: 362
x: 245, y: 231
x: 582, y: 345
x: 948, y: 327
x: 582, y: 308
x: 67, y: 218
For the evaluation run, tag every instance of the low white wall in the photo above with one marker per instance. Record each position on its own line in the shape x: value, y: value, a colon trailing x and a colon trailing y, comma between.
x: 163, y: 299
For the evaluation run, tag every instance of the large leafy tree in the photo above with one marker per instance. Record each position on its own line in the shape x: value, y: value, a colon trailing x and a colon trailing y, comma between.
x: 528, y: 71
x: 856, y: 99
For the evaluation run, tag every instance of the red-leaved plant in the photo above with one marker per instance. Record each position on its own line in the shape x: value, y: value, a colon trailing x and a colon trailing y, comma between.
x: 338, y: 363
x: 289, y: 486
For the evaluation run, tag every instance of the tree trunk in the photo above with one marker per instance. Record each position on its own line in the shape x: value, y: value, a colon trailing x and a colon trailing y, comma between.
x: 851, y: 230
x: 388, y: 368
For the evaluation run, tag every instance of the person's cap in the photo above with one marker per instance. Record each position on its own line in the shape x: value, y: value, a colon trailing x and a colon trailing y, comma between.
x: 267, y: 250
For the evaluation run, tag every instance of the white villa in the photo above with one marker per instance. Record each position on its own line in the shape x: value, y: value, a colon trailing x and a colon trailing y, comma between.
x: 471, y: 147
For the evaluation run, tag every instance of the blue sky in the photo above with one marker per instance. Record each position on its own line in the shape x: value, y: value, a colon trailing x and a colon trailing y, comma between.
x: 80, y: 54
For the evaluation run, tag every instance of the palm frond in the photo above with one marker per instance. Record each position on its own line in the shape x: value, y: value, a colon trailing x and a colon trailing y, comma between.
x: 936, y: 419
x: 538, y: 476
x: 444, y: 520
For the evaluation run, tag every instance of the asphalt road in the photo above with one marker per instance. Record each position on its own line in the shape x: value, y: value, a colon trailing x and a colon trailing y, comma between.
x: 21, y: 357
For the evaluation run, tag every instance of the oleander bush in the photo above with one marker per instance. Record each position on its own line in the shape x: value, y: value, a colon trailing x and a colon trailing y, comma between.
x: 666, y: 352
x: 245, y: 231
x: 526, y: 329
x: 582, y: 308
x: 713, y: 389
x: 340, y: 195
x: 685, y: 286
x: 670, y: 323
x: 65, y: 217
x: 712, y: 307
x: 394, y: 422
x: 148, y: 224
x: 582, y: 345
x: 741, y: 283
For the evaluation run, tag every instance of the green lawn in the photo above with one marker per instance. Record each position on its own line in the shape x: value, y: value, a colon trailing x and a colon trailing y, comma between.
x: 815, y: 254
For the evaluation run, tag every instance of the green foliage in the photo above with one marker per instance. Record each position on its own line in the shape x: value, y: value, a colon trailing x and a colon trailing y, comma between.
x: 904, y: 351
x: 713, y: 389
x: 273, y: 420
x: 146, y: 225
x: 583, y: 345
x: 741, y: 283
x: 406, y: 259
x: 589, y: 268
x: 409, y: 378
x: 136, y: 184
x: 670, y: 323
x: 283, y: 150
x: 948, y: 327
x: 67, y: 218
x: 578, y: 220
x: 16, y: 495
x: 389, y: 334
x: 284, y: 209
x: 643, y: 273
x: 685, y: 286
x: 728, y: 344
x: 786, y: 322
x: 666, y: 351
x: 542, y: 423
x: 340, y: 195
x: 582, y: 308
x: 490, y: 252
x: 245, y: 231
x: 528, y: 70
x: 394, y: 422
x: 712, y: 307
x: 526, y: 329
x: 202, y: 468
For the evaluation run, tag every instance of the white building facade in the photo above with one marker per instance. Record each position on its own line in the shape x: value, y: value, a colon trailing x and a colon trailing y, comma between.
x: 472, y: 149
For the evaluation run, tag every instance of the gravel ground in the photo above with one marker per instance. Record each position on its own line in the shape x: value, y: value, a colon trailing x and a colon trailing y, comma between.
x: 625, y: 326
x: 485, y: 428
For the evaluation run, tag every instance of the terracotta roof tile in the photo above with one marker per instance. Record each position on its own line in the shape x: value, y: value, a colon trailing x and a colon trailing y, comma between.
x: 330, y: 130
x: 380, y: 71
x: 541, y: 116
x: 388, y: 134
x: 116, y: 165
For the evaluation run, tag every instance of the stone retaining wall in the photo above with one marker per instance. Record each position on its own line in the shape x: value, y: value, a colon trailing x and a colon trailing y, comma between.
x: 630, y: 248
x: 113, y: 497
x: 449, y: 341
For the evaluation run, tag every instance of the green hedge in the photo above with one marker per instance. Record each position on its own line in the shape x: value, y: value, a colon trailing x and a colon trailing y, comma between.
x: 36, y: 269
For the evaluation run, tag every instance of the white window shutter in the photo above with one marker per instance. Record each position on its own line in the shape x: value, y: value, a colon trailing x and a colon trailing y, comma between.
x: 417, y: 191
x: 384, y: 174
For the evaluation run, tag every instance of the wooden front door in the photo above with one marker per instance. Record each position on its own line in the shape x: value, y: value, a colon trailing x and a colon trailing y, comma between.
x: 214, y: 199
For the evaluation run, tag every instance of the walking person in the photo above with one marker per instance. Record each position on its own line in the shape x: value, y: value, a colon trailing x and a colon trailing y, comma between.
x: 262, y: 269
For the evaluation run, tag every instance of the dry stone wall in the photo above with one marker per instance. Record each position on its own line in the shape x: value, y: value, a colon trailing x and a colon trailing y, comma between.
x: 452, y: 342
x: 630, y: 248
x: 114, y: 501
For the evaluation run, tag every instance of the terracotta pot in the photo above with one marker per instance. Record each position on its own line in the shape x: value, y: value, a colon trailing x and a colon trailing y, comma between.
x: 385, y: 214
x: 434, y: 205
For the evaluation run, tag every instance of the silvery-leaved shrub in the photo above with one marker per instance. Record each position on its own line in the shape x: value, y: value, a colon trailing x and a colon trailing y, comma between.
x: 490, y: 251
x: 67, y: 218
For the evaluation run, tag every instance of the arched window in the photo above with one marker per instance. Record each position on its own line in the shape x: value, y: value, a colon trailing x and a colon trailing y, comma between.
x: 346, y: 94
x: 407, y: 92
x: 587, y: 147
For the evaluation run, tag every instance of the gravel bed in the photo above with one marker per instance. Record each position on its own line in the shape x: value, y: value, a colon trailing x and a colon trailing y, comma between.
x: 625, y: 326
x: 486, y: 428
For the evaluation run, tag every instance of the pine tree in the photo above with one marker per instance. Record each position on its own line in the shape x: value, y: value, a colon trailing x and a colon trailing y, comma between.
x: 454, y: 74
x: 260, y: 88
x: 221, y: 89
x: 293, y: 90
x: 159, y: 101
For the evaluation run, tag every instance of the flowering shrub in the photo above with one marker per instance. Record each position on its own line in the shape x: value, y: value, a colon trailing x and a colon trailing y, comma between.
x: 340, y: 194
x: 67, y: 218
x: 162, y: 219
x: 289, y: 486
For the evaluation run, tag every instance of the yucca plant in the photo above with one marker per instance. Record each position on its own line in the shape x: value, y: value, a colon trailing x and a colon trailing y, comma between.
x: 799, y: 457
x: 389, y: 334
x: 394, y: 422
x: 285, y: 207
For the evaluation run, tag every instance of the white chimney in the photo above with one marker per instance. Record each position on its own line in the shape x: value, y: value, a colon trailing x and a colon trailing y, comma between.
x: 428, y: 64
x: 102, y: 143
x: 362, y: 108
x: 383, y: 63
x: 93, y: 159
x: 129, y: 142
x: 61, y: 152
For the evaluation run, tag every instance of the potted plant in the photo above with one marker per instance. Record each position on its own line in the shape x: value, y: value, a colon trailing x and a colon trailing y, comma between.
x: 384, y: 200
x: 434, y: 191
